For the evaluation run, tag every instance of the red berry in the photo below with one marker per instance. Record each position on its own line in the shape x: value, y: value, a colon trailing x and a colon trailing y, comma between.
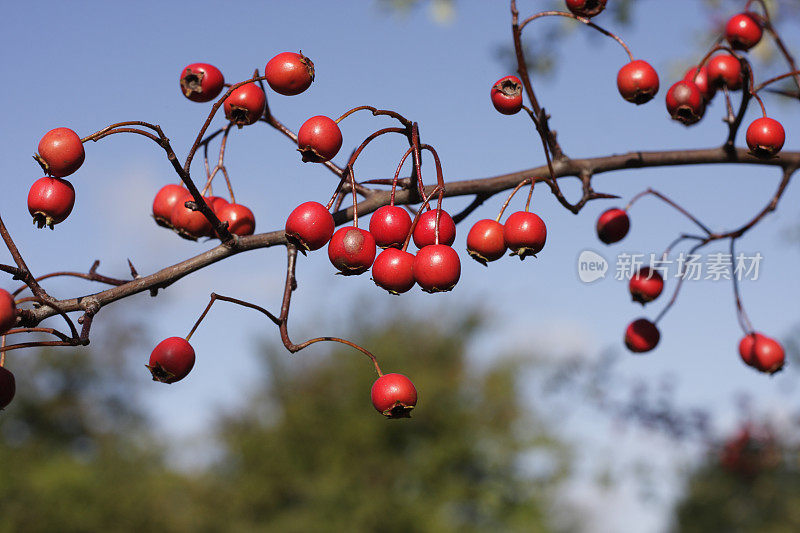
x: 165, y: 201
x: 245, y: 104
x: 425, y: 230
x: 8, y: 311
x: 319, y: 139
x: 394, y: 396
x: 765, y: 137
x: 613, y: 225
x: 762, y: 352
x: 437, y: 268
x: 641, y: 336
x: 240, y: 219
x: 507, y: 95
x: 393, y: 270
x: 702, y: 81
x: 725, y: 70
x: 390, y: 225
x: 189, y: 224
x: 646, y: 285
x: 310, y: 226
x: 8, y: 387
x: 171, y: 360
x: 637, y: 82
x: 743, y: 31
x: 216, y: 203
x: 201, y: 82
x: 62, y: 152
x: 50, y: 201
x: 685, y: 102
x: 586, y: 8
x: 525, y: 234
x: 289, y: 73
x: 485, y: 241
x: 351, y: 250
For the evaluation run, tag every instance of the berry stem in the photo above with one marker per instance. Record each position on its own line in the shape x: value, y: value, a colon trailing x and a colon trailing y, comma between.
x: 375, y: 112
x: 416, y: 217
x: 763, y: 84
x: 397, y: 174
x: 665, y: 199
x: 510, y: 196
x: 741, y: 314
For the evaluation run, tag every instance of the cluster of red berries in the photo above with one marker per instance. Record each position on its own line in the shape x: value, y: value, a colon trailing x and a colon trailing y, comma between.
x: 170, y: 211
x: 51, y: 198
x: 524, y: 234
x: 8, y: 317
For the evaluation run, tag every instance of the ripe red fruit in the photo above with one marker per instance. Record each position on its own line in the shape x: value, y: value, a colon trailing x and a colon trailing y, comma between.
x: 685, y: 102
x: 637, y: 82
x: 725, y: 70
x: 310, y: 226
x: 485, y: 241
x: 437, y: 268
x: 171, y: 360
x: 8, y: 387
x: 289, y: 73
x: 351, y: 250
x: 394, y: 396
x: 216, y: 203
x: 240, y: 219
x: 701, y: 79
x: 525, y: 234
x: 645, y: 285
x: 8, y: 311
x: 425, y: 230
x: 613, y: 225
x: 762, y: 352
x: 61, y: 151
x: 641, y: 336
x: 765, y: 137
x: 245, y: 104
x: 393, y: 270
x: 389, y: 226
x: 586, y: 8
x: 189, y: 224
x: 201, y: 82
x: 744, y: 30
x: 50, y: 201
x: 506, y: 95
x: 319, y: 139
x: 165, y: 201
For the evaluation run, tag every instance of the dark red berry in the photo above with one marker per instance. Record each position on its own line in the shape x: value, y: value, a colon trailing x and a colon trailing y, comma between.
x: 645, y: 285
x: 245, y: 104
x: 637, y: 82
x: 319, y: 139
x: 485, y: 241
x: 352, y: 250
x: 8, y: 311
x: 50, y: 201
x: 61, y: 151
x: 289, y: 73
x: 762, y: 352
x: 725, y: 70
x: 525, y: 234
x: 8, y: 387
x: 165, y: 201
x: 393, y: 270
x: 189, y: 224
x: 765, y: 137
x: 613, y: 225
x: 240, y: 219
x: 390, y: 225
x: 744, y: 30
x: 701, y: 79
x: 310, y: 226
x: 425, y: 230
x: 437, y: 268
x: 171, y: 360
x: 586, y: 8
x: 216, y: 203
x: 201, y: 82
x: 394, y: 396
x: 506, y: 95
x: 641, y: 336
x: 685, y: 102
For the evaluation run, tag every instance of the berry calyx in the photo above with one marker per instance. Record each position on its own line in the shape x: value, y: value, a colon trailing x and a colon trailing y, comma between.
x: 8, y: 311
x: 506, y: 95
x: 744, y: 30
x: 165, y: 201
x: 685, y: 102
x: 646, y: 285
x: 525, y: 234
x: 240, y: 219
x: 393, y: 270
x: 319, y: 139
x: 189, y: 224
x: 641, y: 336
x: 8, y: 387
x: 171, y: 360
x: 61, y: 152
x: 637, y: 82
x: 586, y: 8
x: 201, y: 82
x: 390, y: 225
x: 50, y: 201
x: 762, y: 352
x: 351, y: 250
x: 765, y: 137
x: 245, y: 104
x: 699, y: 76
x: 437, y: 268
x: 310, y: 226
x: 425, y: 230
x: 394, y: 396
x: 485, y: 241
x: 289, y: 74
x: 612, y: 225
x: 725, y: 70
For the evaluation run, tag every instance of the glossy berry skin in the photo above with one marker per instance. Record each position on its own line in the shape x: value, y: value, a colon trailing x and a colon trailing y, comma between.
x: 425, y: 230
x: 637, y: 82
x: 685, y: 103
x: 586, y: 8
x: 240, y: 219
x: 50, y: 201
x: 525, y: 234
x: 245, y: 104
x: 393, y: 270
x: 171, y: 360
x: 289, y: 74
x: 62, y: 152
x: 8, y: 311
x: 201, y: 82
x: 189, y: 224
x: 319, y: 139
x: 762, y: 352
x: 389, y: 226
x: 725, y: 70
x: 765, y: 137
x: 216, y: 203
x: 352, y: 250
x: 165, y: 201
x: 310, y: 226
x: 646, y: 285
x: 506, y: 95
x: 8, y: 387
x: 613, y: 225
x: 641, y: 336
x: 701, y: 79
x: 437, y: 268
x: 485, y: 241
x: 743, y: 31
x: 394, y: 396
